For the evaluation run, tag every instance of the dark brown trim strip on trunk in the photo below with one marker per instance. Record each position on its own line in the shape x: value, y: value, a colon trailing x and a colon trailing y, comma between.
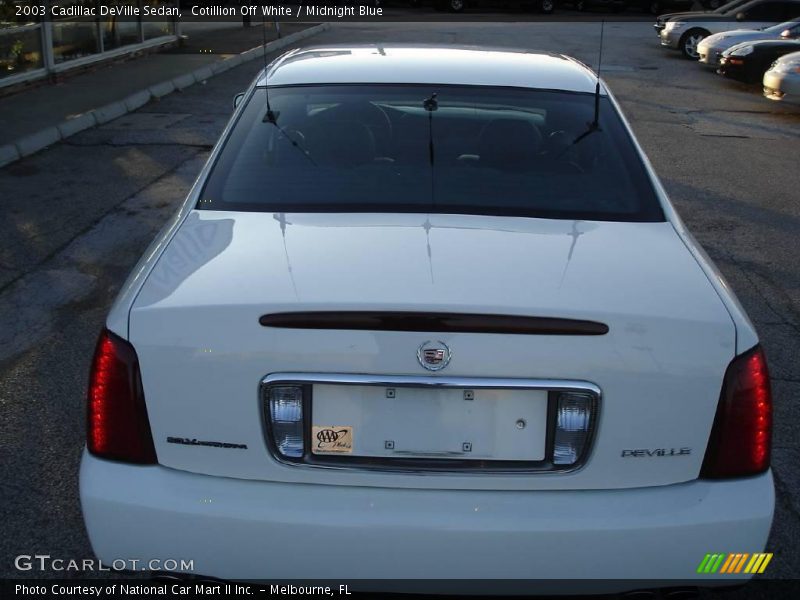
x: 433, y: 322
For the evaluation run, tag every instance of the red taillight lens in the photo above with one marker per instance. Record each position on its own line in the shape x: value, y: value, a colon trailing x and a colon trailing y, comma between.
x: 117, y: 427
x: 742, y: 434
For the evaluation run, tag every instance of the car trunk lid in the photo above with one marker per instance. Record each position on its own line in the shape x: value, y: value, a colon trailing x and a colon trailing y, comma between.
x: 204, y: 353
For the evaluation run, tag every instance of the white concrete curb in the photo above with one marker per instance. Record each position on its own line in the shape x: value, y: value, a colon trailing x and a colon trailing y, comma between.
x: 36, y: 141
x: 162, y: 89
x: 76, y: 125
x: 46, y: 137
x: 181, y: 82
x: 137, y: 100
x: 109, y: 112
x: 8, y: 154
x: 202, y: 74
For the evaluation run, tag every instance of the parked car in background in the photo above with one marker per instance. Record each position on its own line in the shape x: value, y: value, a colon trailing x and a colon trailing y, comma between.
x: 711, y: 48
x: 749, y: 61
x: 583, y: 5
x: 661, y: 21
x: 656, y: 7
x: 545, y: 6
x: 782, y: 79
x: 686, y: 32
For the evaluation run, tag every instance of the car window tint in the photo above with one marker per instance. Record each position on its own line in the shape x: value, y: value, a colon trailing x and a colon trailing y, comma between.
x: 359, y: 148
x: 732, y: 7
x: 768, y: 11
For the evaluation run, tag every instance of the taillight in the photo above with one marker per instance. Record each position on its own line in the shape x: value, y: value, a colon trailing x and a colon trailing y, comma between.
x: 741, y: 437
x: 286, y: 419
x: 117, y: 427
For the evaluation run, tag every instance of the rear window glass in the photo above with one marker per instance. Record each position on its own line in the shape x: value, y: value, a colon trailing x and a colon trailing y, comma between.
x: 466, y: 150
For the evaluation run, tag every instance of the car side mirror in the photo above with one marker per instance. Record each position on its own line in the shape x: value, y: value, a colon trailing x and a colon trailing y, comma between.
x: 786, y: 34
x: 237, y: 99
x: 741, y: 16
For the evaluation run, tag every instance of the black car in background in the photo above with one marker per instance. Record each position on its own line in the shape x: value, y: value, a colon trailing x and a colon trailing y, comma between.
x: 545, y: 6
x: 657, y: 7
x: 749, y: 61
x: 582, y: 5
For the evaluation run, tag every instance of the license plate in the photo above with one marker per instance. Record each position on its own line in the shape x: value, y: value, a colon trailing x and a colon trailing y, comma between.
x: 409, y: 422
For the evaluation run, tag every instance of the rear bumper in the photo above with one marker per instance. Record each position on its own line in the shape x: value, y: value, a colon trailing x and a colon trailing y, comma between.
x: 237, y: 529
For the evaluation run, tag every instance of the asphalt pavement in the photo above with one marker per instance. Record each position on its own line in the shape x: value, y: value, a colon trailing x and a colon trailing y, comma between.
x: 79, y: 215
x: 43, y: 113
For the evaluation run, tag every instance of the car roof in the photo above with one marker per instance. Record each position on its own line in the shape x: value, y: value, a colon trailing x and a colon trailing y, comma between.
x: 443, y: 65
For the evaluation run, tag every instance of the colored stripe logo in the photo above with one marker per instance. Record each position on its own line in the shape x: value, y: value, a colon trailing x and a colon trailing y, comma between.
x: 735, y: 563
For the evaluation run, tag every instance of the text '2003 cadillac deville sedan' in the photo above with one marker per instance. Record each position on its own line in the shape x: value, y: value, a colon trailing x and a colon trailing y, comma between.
x: 434, y: 305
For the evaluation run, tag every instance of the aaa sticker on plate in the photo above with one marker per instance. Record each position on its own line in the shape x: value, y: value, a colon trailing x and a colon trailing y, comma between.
x: 331, y: 439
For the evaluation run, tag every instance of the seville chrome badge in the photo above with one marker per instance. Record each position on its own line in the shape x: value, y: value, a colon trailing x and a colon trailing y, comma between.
x: 434, y: 356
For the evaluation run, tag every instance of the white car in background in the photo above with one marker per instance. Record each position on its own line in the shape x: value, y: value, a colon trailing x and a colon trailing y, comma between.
x: 685, y: 32
x: 782, y: 80
x: 711, y: 48
x: 427, y: 313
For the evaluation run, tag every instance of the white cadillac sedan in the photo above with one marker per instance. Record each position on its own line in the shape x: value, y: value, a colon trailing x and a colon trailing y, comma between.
x: 428, y: 313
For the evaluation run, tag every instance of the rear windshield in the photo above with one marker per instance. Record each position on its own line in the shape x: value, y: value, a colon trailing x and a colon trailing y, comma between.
x: 432, y: 149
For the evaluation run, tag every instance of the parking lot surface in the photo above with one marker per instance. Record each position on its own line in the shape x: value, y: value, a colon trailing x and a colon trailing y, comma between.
x: 78, y: 215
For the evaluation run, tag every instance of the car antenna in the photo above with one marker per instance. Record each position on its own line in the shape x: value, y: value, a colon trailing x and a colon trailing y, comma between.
x: 595, y: 124
x: 271, y: 116
x: 431, y: 104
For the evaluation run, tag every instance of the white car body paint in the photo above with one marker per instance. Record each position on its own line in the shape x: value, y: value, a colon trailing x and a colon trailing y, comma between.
x: 782, y: 80
x: 191, y: 310
x: 212, y: 285
x: 237, y: 529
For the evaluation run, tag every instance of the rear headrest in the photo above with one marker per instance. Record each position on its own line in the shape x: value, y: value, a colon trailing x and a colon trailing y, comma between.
x: 509, y: 144
x: 340, y: 143
x: 558, y: 142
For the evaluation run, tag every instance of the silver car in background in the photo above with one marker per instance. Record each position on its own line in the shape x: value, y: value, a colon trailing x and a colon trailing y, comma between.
x: 782, y: 80
x: 711, y: 48
x: 661, y: 20
x: 685, y: 32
